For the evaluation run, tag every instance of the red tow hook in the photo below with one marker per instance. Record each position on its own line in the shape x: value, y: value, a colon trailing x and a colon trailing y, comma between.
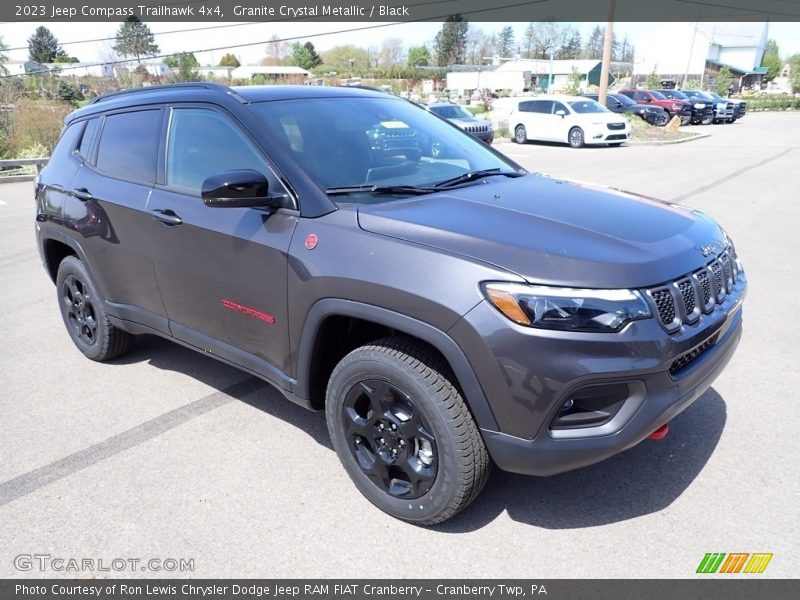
x: 660, y: 433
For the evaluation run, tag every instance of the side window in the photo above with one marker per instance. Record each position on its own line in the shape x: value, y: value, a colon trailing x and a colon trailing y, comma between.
x: 87, y: 139
x: 640, y: 96
x: 558, y: 106
x: 129, y: 145
x: 203, y: 142
x: 68, y: 140
x: 543, y: 106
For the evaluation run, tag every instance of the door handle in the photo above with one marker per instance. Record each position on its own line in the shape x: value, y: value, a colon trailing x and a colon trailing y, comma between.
x: 82, y: 194
x: 166, y: 216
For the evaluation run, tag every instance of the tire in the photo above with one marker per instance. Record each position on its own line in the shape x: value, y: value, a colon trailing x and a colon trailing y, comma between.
x: 575, y: 137
x: 707, y: 120
x: 403, y: 432
x: 84, y: 314
x: 520, y: 135
x: 686, y: 120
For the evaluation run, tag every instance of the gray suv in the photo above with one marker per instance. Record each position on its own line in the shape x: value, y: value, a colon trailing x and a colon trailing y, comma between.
x: 446, y: 309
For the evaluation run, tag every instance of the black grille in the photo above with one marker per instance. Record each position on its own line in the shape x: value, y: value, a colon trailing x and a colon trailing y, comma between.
x: 614, y: 126
x: 719, y: 282
x: 686, y: 358
x: 665, y: 305
x: 684, y: 298
x: 687, y: 293
x: 617, y: 136
x: 705, y: 286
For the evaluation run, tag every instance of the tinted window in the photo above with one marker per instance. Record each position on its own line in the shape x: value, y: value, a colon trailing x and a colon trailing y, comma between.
x: 68, y: 140
x: 559, y: 106
x: 85, y: 147
x: 542, y: 106
x: 640, y: 96
x: 202, y: 143
x: 452, y: 112
x: 129, y: 145
x: 587, y: 106
x: 622, y: 99
x: 658, y: 96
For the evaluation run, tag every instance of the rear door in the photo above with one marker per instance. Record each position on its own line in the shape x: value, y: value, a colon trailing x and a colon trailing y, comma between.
x: 106, y: 213
x: 222, y: 271
x: 537, y: 117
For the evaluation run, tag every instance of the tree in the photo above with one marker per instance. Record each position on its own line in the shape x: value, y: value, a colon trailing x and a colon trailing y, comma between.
x: 574, y: 81
x: 229, y: 60
x: 451, y: 41
x: 772, y: 60
x: 571, y: 46
x: 43, y: 46
x: 338, y: 58
x: 300, y: 56
x: 653, y: 80
x: 134, y: 38
x: 724, y: 81
x: 594, y: 47
x: 188, y: 59
x: 69, y: 92
x: 625, y: 52
x: 418, y: 56
x: 316, y: 60
x: 277, y: 51
x: 391, y: 53
x: 547, y: 37
x: 794, y: 77
x: 505, y: 41
x: 529, y: 41
x: 3, y: 56
x: 63, y: 58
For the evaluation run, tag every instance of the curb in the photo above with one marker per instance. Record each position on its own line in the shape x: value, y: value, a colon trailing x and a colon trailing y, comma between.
x: 696, y: 136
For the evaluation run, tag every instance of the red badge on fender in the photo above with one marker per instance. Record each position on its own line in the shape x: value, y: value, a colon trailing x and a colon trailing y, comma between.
x: 311, y: 241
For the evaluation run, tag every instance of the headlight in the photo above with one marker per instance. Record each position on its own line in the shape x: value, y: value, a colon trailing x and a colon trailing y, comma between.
x: 567, y: 309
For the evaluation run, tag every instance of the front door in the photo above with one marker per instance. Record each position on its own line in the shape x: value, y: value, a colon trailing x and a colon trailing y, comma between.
x: 222, y: 271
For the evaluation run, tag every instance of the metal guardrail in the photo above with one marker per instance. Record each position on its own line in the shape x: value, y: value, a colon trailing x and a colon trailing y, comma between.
x: 9, y: 167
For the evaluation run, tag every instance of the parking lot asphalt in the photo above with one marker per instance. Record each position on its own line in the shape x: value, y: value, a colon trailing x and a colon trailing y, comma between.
x: 166, y: 453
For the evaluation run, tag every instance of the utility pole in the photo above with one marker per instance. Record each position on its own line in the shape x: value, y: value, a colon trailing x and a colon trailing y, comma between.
x: 607, y: 44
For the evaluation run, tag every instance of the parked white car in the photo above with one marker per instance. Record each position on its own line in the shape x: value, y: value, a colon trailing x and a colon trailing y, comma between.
x: 569, y: 119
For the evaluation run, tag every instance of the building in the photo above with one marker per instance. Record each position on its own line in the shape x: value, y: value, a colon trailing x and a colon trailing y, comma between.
x: 522, y: 75
x: 678, y: 51
x: 80, y: 69
x: 22, y: 68
x: 276, y: 74
x: 215, y: 72
x: 154, y: 68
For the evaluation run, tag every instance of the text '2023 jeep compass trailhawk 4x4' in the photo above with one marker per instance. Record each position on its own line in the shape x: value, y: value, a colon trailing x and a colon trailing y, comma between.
x: 447, y: 309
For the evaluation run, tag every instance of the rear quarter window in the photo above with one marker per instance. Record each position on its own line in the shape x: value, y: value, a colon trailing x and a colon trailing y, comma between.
x: 128, y: 146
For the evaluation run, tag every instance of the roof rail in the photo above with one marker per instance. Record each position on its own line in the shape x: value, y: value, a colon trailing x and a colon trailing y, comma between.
x: 203, y: 85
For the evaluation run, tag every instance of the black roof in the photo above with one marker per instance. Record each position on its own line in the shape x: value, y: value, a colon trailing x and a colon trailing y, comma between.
x: 207, y: 91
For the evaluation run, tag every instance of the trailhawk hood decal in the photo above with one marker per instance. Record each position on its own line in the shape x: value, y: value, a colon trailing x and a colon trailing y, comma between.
x: 552, y: 231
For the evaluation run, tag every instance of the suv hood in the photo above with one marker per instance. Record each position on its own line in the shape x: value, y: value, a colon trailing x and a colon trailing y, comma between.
x: 466, y: 121
x: 554, y: 232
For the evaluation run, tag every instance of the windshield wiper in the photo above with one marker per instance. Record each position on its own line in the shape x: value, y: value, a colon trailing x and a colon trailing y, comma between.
x: 475, y: 175
x: 379, y: 189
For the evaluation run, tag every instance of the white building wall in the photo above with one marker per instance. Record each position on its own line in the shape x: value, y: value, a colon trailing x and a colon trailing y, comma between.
x: 671, y: 49
x: 741, y: 58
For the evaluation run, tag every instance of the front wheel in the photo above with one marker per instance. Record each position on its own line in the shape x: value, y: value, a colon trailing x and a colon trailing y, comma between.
x: 403, y: 433
x: 520, y: 135
x: 575, y: 137
x: 707, y: 120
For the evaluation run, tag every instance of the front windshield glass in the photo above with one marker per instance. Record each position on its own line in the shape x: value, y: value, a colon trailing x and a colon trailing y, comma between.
x: 677, y: 94
x: 587, y: 106
x: 624, y: 100
x: 658, y: 95
x: 702, y: 95
x: 452, y: 111
x: 367, y: 141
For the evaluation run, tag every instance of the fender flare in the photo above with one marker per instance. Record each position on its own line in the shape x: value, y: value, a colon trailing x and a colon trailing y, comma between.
x: 322, y: 309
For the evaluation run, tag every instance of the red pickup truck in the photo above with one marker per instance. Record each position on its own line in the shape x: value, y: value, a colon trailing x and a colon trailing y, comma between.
x: 673, y: 107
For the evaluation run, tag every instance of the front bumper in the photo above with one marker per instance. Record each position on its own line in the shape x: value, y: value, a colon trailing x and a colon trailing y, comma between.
x: 601, y: 134
x: 542, y: 370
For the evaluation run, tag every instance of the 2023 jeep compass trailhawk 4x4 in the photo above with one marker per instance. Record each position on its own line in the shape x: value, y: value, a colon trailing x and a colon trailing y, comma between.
x: 447, y: 309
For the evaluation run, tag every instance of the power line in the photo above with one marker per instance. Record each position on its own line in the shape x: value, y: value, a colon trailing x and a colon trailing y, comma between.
x: 67, y: 66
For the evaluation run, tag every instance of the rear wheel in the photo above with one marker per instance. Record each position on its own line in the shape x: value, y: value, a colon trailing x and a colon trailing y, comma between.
x: 403, y: 433
x: 85, y: 315
x: 686, y: 119
x: 520, y: 135
x: 707, y: 120
x: 575, y: 137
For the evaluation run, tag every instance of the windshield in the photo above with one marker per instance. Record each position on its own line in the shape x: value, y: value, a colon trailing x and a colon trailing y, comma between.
x: 678, y: 94
x: 364, y: 142
x: 702, y: 95
x: 623, y: 99
x: 452, y: 111
x: 658, y: 96
x: 587, y: 106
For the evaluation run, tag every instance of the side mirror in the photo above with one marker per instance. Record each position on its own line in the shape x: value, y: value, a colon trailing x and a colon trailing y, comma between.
x: 561, y: 113
x: 239, y: 188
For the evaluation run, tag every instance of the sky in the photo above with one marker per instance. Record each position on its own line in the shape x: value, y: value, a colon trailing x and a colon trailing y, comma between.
x: 16, y: 35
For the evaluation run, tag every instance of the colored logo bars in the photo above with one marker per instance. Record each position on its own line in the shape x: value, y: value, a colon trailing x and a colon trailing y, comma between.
x: 734, y: 562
